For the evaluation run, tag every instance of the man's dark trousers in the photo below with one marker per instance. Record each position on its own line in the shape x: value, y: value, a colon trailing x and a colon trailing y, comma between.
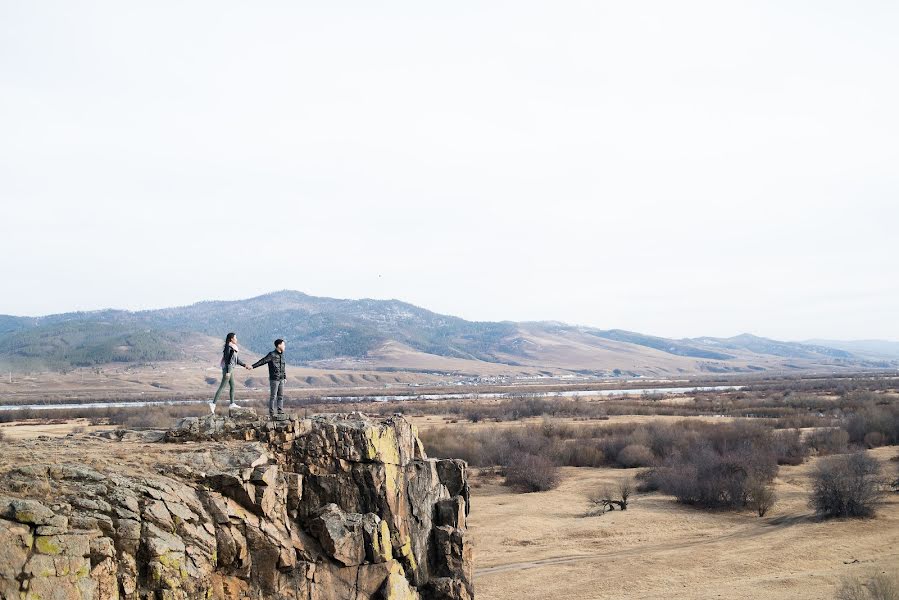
x: 277, y: 389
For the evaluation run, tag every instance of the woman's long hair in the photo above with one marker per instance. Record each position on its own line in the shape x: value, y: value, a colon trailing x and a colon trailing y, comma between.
x: 228, y: 339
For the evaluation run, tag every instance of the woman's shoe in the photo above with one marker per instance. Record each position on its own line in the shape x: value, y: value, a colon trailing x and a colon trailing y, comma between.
x: 234, y: 405
x: 212, y: 407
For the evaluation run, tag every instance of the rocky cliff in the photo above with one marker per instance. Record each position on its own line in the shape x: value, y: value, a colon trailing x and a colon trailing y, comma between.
x: 335, y: 507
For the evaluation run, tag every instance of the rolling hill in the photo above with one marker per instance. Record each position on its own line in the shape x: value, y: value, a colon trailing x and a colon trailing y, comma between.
x: 875, y: 349
x: 391, y: 335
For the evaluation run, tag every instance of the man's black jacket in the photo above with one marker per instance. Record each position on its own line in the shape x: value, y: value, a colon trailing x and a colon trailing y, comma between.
x: 275, y: 362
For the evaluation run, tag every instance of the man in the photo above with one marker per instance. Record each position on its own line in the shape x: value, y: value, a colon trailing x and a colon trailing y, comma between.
x: 276, y: 376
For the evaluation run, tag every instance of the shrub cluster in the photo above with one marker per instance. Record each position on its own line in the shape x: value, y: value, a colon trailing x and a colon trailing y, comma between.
x: 846, y: 486
x: 711, y: 464
x: 532, y: 473
x: 712, y: 477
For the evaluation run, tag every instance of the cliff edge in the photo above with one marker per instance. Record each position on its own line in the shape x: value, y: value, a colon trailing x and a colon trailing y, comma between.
x: 334, y: 507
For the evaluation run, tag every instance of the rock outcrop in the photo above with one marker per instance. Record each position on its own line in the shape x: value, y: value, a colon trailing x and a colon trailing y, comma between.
x: 334, y: 507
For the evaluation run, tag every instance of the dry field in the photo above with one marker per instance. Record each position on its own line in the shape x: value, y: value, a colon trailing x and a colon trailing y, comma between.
x: 24, y: 430
x: 541, y: 546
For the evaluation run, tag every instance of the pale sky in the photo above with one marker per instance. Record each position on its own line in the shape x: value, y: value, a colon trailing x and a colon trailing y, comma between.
x: 673, y: 168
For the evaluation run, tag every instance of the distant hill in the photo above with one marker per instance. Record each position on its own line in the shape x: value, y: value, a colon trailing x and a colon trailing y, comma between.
x: 390, y: 334
x: 325, y: 328
x: 759, y: 345
x: 882, y: 349
x: 87, y: 342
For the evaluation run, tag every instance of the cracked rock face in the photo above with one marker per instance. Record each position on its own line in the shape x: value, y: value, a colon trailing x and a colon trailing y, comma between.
x: 335, y: 507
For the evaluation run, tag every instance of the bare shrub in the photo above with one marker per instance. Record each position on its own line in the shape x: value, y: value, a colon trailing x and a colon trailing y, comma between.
x: 479, y: 449
x: 761, y: 497
x: 828, y: 441
x: 635, y: 455
x: 581, y: 453
x: 846, y: 486
x: 712, y: 479
x: 873, y: 439
x: 625, y: 490
x: 647, y: 481
x: 531, y: 473
x: 789, y: 447
x: 880, y: 586
x: 872, y: 417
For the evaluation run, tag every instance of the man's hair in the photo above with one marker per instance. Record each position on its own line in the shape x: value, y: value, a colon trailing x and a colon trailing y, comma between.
x: 278, y: 342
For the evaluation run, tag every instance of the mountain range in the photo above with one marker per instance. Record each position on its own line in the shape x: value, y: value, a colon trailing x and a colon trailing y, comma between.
x: 395, y: 335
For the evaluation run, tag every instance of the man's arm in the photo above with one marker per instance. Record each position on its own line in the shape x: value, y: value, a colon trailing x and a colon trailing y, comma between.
x: 265, y: 359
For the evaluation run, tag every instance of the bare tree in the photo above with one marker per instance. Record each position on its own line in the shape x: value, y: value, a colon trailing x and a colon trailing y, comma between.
x: 607, y: 498
x: 599, y: 503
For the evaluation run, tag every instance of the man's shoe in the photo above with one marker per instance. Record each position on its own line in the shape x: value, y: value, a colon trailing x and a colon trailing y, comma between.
x: 212, y: 407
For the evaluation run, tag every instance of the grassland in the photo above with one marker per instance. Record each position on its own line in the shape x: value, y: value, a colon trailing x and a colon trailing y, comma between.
x: 541, y: 546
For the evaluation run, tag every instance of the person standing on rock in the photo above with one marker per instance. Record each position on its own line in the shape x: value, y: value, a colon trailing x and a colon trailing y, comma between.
x: 230, y: 359
x: 277, y: 374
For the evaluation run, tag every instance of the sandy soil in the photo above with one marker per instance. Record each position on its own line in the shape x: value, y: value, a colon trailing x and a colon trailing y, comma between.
x: 541, y: 545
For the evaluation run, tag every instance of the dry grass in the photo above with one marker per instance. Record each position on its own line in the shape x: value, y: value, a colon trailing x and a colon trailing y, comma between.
x: 24, y: 430
x: 539, y: 546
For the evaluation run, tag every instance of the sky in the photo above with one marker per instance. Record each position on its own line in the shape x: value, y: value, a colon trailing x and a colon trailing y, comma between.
x: 674, y: 168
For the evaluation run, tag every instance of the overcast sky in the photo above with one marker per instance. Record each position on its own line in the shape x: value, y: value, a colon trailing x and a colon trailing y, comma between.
x: 674, y: 168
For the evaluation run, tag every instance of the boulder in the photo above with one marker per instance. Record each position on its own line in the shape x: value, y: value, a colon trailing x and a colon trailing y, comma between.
x: 340, y: 534
x: 23, y: 510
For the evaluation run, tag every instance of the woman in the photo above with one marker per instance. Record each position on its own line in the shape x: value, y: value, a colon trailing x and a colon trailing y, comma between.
x: 229, y: 360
